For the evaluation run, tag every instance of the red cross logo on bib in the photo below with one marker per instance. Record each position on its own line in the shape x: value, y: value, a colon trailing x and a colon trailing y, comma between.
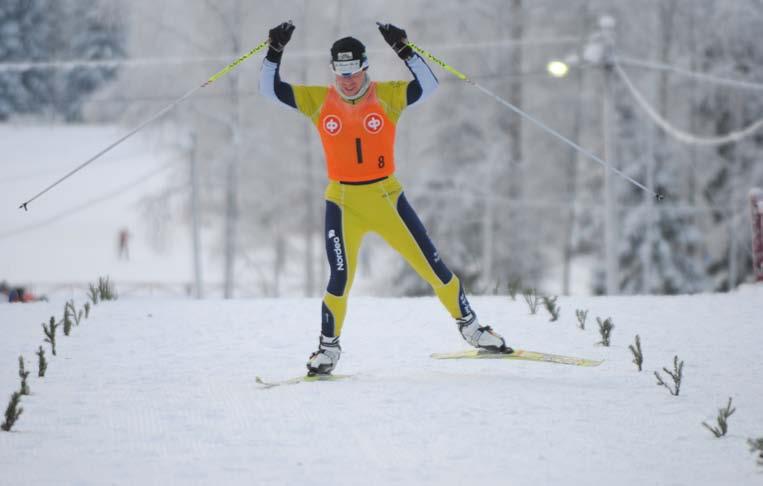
x: 373, y: 123
x: 332, y: 124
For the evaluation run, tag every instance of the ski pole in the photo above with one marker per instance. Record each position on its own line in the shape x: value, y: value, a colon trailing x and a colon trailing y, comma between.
x: 537, y: 122
x: 154, y: 117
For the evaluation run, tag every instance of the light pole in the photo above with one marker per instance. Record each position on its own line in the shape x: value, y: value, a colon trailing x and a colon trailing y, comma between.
x: 599, y: 51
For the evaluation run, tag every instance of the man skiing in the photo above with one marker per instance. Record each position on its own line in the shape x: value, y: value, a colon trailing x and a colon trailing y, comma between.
x: 356, y: 122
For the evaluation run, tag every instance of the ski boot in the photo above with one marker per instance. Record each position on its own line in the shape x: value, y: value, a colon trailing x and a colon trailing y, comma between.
x: 323, y: 361
x: 482, y: 337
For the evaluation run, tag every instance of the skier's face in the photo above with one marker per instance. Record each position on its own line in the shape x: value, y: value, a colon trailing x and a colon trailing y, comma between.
x: 350, y: 85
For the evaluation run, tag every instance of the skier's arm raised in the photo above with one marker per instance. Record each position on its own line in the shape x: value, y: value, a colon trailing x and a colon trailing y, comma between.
x: 424, y: 82
x: 270, y: 82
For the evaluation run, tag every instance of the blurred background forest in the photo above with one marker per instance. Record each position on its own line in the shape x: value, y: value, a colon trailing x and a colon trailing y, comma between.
x: 670, y: 92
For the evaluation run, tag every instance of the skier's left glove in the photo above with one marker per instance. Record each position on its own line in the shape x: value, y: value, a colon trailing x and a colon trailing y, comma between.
x: 397, y: 39
x: 279, y: 36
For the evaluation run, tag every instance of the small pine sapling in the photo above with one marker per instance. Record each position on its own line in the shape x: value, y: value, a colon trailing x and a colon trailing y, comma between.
x: 23, y: 374
x: 67, y: 321
x: 42, y: 363
x: 638, y: 355
x: 676, y: 374
x: 93, y: 294
x: 532, y: 299
x: 514, y: 286
x: 756, y: 446
x: 12, y: 412
x: 106, y: 289
x: 723, y: 415
x: 77, y: 316
x: 50, y: 334
x: 605, y: 330
x: 87, y: 310
x: 551, y: 307
x: 582, y: 315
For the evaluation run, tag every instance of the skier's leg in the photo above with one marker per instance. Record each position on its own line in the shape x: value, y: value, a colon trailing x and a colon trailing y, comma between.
x: 405, y: 232
x: 343, y: 237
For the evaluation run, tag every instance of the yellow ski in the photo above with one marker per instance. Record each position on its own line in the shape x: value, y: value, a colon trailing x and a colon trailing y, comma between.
x: 519, y: 354
x: 300, y: 379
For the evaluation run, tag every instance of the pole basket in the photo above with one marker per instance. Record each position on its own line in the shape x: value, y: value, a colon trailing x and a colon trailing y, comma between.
x: 756, y: 207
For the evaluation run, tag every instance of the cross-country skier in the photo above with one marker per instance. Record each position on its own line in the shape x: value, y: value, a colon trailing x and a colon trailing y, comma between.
x: 356, y: 121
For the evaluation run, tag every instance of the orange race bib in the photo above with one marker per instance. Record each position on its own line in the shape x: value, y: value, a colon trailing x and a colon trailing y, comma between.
x: 358, y: 139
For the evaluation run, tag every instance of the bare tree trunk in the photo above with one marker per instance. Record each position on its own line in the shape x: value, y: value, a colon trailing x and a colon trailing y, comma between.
x: 666, y: 13
x: 195, y: 223
x: 516, y: 165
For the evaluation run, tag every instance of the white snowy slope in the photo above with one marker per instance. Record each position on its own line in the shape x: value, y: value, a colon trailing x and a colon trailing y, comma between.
x: 163, y: 392
x: 70, y: 233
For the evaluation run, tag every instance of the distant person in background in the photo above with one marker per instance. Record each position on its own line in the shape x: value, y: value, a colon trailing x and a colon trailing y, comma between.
x: 124, y: 242
x: 21, y: 294
x: 356, y: 119
x: 4, y: 291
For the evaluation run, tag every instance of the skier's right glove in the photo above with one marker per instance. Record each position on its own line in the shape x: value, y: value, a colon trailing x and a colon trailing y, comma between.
x: 397, y: 39
x: 279, y: 36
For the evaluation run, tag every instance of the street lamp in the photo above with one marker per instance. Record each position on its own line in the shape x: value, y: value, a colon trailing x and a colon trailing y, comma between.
x: 557, y: 69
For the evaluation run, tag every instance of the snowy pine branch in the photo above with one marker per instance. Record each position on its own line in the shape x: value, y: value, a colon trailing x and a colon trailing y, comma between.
x: 551, y: 307
x: 605, y: 330
x: 12, y: 412
x: 723, y: 415
x: 42, y: 363
x: 676, y: 375
x: 582, y: 315
x: 23, y: 374
x: 756, y: 445
x: 77, y: 316
x: 106, y: 289
x: 67, y: 321
x: 93, y: 294
x: 50, y: 334
x: 532, y: 299
x: 638, y: 356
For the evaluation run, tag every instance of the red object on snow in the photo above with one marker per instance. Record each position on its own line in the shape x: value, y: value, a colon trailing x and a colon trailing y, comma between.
x: 756, y: 206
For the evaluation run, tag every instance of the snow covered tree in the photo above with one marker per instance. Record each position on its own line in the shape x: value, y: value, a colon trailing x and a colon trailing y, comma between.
x: 731, y: 53
x: 657, y: 241
x: 25, y: 36
x: 48, y: 31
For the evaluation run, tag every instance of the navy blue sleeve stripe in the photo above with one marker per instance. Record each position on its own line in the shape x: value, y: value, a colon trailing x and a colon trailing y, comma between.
x: 414, y: 91
x: 272, y: 87
x: 283, y: 90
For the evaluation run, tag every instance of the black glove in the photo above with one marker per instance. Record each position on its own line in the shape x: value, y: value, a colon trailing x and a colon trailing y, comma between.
x: 397, y: 39
x: 279, y: 36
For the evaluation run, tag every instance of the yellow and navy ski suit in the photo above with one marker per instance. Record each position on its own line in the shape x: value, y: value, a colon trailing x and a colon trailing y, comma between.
x: 363, y: 193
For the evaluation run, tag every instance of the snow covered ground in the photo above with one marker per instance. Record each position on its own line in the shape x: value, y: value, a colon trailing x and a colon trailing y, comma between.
x: 153, y: 391
x: 70, y: 233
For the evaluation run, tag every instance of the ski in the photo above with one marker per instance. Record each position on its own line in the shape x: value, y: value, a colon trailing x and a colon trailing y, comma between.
x: 300, y: 379
x: 519, y: 354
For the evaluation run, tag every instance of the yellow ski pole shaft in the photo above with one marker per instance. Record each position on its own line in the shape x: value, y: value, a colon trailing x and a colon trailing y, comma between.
x: 154, y: 117
x: 534, y: 120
